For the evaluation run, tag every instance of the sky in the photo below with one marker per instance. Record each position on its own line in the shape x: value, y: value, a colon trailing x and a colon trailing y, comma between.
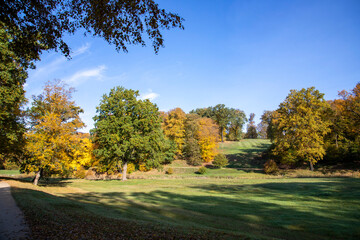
x: 244, y: 54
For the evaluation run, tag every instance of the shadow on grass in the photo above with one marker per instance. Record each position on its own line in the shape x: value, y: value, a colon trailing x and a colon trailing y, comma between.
x: 248, y: 158
x: 53, y: 182
x: 290, y: 210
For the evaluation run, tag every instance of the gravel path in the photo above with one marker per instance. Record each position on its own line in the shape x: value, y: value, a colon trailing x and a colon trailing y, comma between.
x: 12, y: 223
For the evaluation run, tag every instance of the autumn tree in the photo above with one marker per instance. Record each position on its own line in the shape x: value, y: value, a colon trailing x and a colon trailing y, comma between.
x: 52, y: 141
x: 221, y: 114
x: 128, y: 130
x: 251, y: 129
x: 237, y: 121
x: 174, y: 128
x: 300, y: 127
x: 207, y: 136
x: 344, y: 139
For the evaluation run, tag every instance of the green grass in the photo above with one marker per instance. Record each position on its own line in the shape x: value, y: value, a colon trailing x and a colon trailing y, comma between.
x: 308, y: 208
x: 9, y: 172
x: 245, y: 153
x: 238, y: 202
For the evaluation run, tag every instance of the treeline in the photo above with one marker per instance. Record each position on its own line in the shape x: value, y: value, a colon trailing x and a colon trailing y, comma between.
x: 306, y: 128
x: 128, y: 134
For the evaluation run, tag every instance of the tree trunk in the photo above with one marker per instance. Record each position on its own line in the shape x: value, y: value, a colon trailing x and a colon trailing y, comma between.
x: 124, y: 171
x: 336, y: 140
x: 38, y: 176
x: 311, y: 166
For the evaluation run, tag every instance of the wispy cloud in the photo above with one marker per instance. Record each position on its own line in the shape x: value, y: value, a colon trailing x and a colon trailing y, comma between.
x: 81, y: 76
x: 149, y: 95
x: 81, y: 50
x: 59, y: 61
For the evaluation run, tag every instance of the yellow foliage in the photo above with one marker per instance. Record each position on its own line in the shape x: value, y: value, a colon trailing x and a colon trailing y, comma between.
x: 208, y: 138
x: 144, y: 168
x: 52, y: 142
x: 174, y: 127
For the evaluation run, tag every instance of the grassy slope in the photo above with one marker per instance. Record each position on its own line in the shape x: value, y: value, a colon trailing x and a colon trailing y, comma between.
x: 198, y: 207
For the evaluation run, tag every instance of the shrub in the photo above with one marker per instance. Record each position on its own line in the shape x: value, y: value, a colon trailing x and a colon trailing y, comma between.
x: 169, y: 171
x: 220, y: 161
x: 130, y: 168
x: 202, y: 170
x: 80, y: 172
x: 270, y: 167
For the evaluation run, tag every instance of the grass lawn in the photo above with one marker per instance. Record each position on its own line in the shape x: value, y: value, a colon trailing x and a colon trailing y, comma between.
x: 230, y: 203
x: 243, y: 154
x: 307, y: 208
x: 9, y: 172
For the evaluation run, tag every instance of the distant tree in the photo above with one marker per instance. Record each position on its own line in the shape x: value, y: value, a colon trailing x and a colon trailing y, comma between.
x: 128, y: 130
x: 220, y: 114
x: 207, y: 136
x: 237, y: 121
x: 251, y: 129
x: 52, y: 140
x: 191, y: 151
x: 174, y: 128
x: 300, y: 126
x: 12, y: 97
x: 343, y: 142
x: 264, y: 128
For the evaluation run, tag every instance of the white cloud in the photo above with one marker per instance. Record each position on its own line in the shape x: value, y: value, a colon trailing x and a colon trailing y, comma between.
x: 150, y: 95
x: 84, y: 75
x: 81, y: 50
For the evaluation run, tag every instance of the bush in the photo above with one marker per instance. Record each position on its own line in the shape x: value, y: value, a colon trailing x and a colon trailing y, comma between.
x: 169, y: 171
x: 270, y: 167
x: 202, y: 170
x: 220, y: 160
x: 80, y: 172
x: 130, y: 168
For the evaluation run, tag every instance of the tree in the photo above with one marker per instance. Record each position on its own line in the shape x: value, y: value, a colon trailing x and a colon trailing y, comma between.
x: 12, y: 98
x: 174, y: 128
x: 251, y: 129
x: 220, y: 114
x: 237, y: 121
x: 52, y: 140
x: 265, y: 128
x: 344, y: 139
x: 128, y: 130
x: 207, y: 136
x: 300, y: 127
x: 192, y: 151
x: 43, y: 24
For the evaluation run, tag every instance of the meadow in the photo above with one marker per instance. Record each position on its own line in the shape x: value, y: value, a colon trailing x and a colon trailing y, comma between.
x: 238, y: 202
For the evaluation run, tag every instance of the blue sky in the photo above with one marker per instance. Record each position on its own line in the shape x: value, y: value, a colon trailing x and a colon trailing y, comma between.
x: 244, y: 54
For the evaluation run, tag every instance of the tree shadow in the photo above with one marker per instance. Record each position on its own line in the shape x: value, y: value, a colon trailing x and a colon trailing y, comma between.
x: 296, y: 210
x: 248, y: 158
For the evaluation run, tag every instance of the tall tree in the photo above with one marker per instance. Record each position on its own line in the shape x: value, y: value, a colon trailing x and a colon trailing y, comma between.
x: 52, y: 140
x: 344, y: 139
x: 128, y: 130
x: 237, y: 121
x: 208, y: 137
x: 251, y: 129
x: 265, y: 128
x: 12, y: 97
x: 300, y: 127
x: 174, y: 128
